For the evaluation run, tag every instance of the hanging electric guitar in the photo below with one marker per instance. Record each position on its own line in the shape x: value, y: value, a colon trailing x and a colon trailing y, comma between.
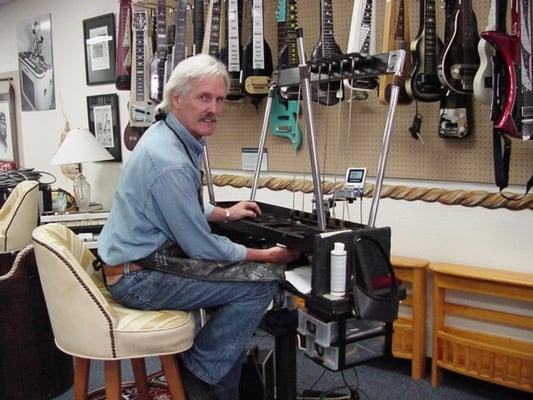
x: 509, y: 49
x: 423, y: 83
x: 483, y: 78
x: 159, y: 58
x: 231, y: 52
x: 179, y: 49
x: 326, y: 93
x: 123, y: 60
x: 362, y: 40
x: 256, y: 57
x: 455, y: 114
x: 460, y: 59
x: 140, y: 106
x: 284, y: 113
x: 198, y: 23
x: 396, y: 15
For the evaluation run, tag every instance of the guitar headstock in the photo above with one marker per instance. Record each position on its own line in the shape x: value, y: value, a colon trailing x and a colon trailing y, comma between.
x: 140, y: 20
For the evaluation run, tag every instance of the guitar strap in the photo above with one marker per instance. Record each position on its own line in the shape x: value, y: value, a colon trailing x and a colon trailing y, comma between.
x: 502, y: 159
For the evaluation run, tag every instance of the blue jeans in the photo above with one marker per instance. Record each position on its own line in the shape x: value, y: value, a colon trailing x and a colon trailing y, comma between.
x: 216, y: 354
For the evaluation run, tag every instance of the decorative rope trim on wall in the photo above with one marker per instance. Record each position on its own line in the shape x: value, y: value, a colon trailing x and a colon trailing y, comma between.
x: 467, y: 198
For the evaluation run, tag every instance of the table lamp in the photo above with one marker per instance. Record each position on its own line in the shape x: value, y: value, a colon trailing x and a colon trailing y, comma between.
x: 78, y: 147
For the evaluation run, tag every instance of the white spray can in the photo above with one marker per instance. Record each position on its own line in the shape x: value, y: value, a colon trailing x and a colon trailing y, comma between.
x: 337, y: 282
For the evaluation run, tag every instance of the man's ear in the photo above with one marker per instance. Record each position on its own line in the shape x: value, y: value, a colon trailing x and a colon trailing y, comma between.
x: 175, y: 101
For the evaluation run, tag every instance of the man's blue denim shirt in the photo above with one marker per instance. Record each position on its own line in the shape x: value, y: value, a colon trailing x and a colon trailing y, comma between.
x: 157, y: 201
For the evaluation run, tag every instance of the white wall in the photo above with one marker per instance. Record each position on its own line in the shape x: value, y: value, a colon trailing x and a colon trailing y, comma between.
x: 40, y: 131
x: 477, y: 236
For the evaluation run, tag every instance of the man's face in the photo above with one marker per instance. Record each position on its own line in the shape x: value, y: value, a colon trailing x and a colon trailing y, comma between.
x: 200, y: 109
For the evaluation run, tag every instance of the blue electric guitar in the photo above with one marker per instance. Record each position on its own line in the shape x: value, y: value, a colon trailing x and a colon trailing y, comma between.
x: 284, y: 113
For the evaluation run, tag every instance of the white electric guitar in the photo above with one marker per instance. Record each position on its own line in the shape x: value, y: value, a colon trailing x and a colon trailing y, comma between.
x: 140, y: 106
x: 483, y: 78
x: 362, y: 40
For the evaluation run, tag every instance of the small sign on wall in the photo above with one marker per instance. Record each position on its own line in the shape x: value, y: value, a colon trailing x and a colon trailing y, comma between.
x: 249, y: 158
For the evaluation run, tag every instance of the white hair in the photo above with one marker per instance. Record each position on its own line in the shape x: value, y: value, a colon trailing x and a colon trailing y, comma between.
x: 187, y: 73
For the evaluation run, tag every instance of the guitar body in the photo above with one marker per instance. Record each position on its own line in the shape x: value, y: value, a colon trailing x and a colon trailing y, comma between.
x: 255, y: 81
x: 123, y: 59
x: 284, y: 120
x: 397, y: 15
x: 460, y: 59
x: 256, y: 58
x: 285, y: 109
x: 483, y: 79
x: 423, y: 83
x: 455, y: 115
x: 132, y: 135
x: 508, y: 48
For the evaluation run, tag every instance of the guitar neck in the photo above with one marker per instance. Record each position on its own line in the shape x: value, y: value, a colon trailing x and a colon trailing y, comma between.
x: 211, y: 43
x: 292, y: 24
x: 140, y: 114
x: 430, y: 32
x: 329, y: 45
x: 162, y: 46
x: 123, y: 59
x: 256, y: 34
x: 198, y: 22
x: 179, y: 49
x: 233, y: 34
x: 141, y: 50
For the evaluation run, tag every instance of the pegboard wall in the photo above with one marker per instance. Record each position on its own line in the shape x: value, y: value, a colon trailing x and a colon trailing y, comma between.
x: 355, y: 140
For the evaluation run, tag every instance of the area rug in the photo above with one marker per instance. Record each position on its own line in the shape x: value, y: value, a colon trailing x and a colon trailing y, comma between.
x: 157, y: 389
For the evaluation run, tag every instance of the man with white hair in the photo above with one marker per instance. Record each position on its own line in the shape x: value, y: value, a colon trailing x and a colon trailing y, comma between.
x: 158, y: 247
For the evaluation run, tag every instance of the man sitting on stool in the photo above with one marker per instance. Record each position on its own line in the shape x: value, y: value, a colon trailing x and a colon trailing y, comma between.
x: 158, y: 246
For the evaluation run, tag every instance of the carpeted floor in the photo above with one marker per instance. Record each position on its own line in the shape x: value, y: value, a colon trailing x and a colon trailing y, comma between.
x: 382, y: 379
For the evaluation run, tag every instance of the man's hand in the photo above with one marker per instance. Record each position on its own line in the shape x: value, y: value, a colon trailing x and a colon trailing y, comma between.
x: 243, y: 209
x: 275, y: 255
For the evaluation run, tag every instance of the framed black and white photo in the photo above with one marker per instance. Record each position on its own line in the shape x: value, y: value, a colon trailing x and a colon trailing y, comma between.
x: 34, y: 39
x: 8, y: 131
x: 104, y: 122
x: 99, y: 41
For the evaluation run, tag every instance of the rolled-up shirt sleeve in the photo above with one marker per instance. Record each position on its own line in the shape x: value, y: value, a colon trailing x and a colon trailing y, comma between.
x: 176, y: 207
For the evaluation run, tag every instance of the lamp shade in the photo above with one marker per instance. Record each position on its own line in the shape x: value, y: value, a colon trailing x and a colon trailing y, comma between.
x: 80, y: 146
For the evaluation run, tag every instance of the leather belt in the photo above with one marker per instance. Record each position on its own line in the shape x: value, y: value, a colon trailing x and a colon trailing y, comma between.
x: 117, y: 270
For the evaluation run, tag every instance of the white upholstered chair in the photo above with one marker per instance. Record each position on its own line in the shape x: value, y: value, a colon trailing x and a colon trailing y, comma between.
x: 88, y: 324
x: 18, y: 216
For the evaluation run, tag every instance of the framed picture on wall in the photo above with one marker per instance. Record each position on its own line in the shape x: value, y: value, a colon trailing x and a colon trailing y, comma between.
x: 99, y: 41
x: 8, y: 128
x: 104, y: 122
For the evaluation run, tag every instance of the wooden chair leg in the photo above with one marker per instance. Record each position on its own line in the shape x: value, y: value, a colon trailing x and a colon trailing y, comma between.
x: 81, y: 377
x: 139, y: 372
x: 112, y: 379
x: 172, y: 373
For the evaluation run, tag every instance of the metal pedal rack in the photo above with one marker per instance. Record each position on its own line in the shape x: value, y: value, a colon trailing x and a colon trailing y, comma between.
x: 334, y: 338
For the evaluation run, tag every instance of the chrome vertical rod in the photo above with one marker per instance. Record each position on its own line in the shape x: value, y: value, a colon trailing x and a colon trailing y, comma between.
x: 208, y: 177
x: 387, y: 136
x: 262, y: 139
x: 311, y: 137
